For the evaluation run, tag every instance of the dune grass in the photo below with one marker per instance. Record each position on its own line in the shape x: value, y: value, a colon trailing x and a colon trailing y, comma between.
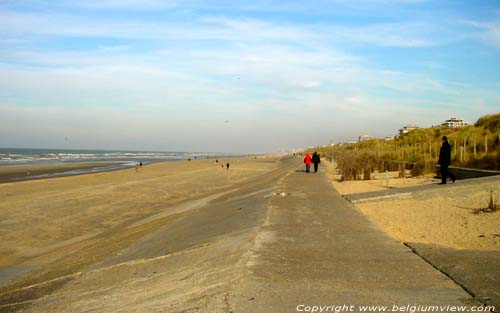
x: 474, y: 146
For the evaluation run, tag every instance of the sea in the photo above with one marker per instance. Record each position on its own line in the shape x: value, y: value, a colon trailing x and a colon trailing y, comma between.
x: 117, y: 158
x: 26, y: 156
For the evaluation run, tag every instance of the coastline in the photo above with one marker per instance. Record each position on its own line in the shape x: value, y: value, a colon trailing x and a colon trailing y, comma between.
x: 17, y: 173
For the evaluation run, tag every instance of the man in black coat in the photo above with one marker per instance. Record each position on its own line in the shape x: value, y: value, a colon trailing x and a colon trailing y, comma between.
x: 316, y: 160
x: 445, y: 160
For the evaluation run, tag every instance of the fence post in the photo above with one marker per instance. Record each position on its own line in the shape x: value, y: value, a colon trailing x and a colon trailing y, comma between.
x: 465, y: 148
x: 455, y: 148
x: 474, y: 147
x: 486, y: 143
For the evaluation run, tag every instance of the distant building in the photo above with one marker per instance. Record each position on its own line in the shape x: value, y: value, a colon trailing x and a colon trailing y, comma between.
x: 454, y: 123
x: 406, y: 129
x: 389, y: 138
x: 365, y: 138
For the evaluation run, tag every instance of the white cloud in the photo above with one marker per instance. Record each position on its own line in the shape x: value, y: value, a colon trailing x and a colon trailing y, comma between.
x: 492, y: 33
x: 489, y: 32
x: 135, y: 4
x: 401, y: 34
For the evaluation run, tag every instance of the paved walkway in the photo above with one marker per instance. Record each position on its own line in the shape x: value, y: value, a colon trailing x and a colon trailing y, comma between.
x: 477, y: 271
x: 458, y: 186
x: 316, y: 249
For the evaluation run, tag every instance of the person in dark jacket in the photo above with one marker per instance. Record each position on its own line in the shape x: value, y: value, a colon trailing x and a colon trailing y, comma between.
x: 316, y: 160
x: 445, y: 160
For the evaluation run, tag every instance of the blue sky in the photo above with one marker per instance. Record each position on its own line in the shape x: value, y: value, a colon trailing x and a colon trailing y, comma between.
x: 166, y: 75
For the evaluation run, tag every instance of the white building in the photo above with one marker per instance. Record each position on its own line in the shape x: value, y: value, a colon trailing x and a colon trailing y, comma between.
x: 406, y: 129
x: 365, y: 138
x: 454, y: 123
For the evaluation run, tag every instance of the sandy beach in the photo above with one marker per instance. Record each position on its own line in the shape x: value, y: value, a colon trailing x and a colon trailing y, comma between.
x: 447, y: 219
x: 87, y: 217
x: 193, y: 237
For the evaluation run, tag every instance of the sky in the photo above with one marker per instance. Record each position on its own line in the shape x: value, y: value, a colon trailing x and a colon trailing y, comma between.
x: 240, y: 76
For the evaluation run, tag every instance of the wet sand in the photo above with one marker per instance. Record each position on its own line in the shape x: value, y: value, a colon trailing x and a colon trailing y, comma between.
x: 12, y: 173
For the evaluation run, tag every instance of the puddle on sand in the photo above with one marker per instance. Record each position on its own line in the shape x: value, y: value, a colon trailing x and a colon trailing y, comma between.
x: 8, y: 273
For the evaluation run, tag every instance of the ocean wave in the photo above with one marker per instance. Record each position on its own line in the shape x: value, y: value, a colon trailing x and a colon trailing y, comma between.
x: 40, y: 156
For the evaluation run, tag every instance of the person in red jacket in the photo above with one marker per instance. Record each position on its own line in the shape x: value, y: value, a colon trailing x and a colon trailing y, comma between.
x: 307, y: 162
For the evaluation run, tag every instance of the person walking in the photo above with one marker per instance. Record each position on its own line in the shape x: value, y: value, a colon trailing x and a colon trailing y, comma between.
x: 307, y: 162
x: 316, y: 160
x: 445, y: 160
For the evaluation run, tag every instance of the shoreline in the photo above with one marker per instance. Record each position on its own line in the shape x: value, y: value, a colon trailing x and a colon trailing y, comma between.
x: 12, y: 173
x: 18, y: 173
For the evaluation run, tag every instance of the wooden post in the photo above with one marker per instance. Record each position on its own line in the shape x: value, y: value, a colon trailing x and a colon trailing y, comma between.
x: 465, y: 148
x: 486, y: 144
x: 455, y: 148
x: 474, y: 147
x: 430, y: 150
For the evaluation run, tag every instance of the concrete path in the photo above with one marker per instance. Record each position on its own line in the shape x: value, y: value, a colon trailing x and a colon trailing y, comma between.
x: 477, y: 271
x: 316, y: 249
x: 458, y: 186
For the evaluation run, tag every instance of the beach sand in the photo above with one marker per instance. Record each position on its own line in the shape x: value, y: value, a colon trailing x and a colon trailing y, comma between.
x: 379, y: 181
x: 445, y: 219
x: 87, y: 217
x: 448, y: 220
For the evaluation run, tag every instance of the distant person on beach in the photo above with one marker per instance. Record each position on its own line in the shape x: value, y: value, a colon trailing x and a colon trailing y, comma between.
x: 307, y: 162
x: 227, y: 166
x: 140, y: 164
x: 445, y: 160
x: 222, y: 166
x: 316, y: 160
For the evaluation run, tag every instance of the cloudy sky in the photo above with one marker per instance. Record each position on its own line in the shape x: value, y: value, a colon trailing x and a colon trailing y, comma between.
x: 240, y: 76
